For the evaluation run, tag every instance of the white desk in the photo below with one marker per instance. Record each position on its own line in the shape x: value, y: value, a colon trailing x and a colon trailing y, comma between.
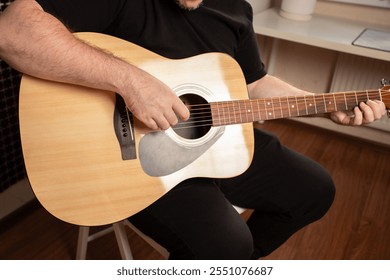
x: 321, y: 31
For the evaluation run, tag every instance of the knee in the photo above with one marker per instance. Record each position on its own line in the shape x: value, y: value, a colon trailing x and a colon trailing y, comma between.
x: 233, y: 245
x: 236, y: 245
x: 321, y: 195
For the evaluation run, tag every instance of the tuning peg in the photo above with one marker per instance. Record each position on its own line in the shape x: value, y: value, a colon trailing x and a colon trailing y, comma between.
x: 383, y: 82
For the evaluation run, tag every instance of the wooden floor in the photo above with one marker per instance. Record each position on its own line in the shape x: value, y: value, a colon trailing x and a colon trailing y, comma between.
x: 356, y: 227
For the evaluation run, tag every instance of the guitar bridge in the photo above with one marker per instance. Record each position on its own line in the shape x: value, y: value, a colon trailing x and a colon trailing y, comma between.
x: 124, y: 129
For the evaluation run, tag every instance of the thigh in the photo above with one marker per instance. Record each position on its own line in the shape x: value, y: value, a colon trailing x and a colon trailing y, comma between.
x: 195, y: 221
x: 287, y: 191
x: 278, y: 180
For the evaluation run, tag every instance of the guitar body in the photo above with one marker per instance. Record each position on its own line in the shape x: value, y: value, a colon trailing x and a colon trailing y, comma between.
x: 71, y: 151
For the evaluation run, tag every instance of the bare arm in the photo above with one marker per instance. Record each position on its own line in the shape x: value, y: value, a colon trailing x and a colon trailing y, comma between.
x: 270, y: 86
x: 36, y: 43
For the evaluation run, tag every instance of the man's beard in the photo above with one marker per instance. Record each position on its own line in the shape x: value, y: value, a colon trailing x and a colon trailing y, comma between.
x: 187, y: 8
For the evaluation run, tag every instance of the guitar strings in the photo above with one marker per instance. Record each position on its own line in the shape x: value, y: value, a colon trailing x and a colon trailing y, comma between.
x: 201, y: 114
x: 295, y: 99
x: 207, y: 122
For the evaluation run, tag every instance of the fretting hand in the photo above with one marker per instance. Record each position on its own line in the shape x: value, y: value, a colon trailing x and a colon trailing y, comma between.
x: 365, y: 113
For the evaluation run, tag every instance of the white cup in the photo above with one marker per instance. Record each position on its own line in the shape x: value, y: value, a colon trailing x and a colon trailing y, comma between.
x: 259, y: 5
x: 297, y: 9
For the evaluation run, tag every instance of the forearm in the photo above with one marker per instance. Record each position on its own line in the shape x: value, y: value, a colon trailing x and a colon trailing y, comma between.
x: 270, y: 86
x: 38, y: 44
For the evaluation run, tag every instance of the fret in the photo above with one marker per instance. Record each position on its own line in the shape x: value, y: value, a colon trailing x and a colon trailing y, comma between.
x: 214, y: 114
x: 265, y: 109
x: 320, y: 103
x: 222, y: 114
x: 273, y: 108
x: 227, y: 106
x: 301, y: 105
x: 292, y: 101
x: 284, y: 107
x: 242, y: 111
x: 288, y: 107
x: 268, y: 109
x: 330, y: 103
x: 218, y: 112
x: 346, y: 103
x: 311, y: 104
x: 234, y: 109
x: 217, y: 115
x: 340, y: 101
x: 247, y: 112
x: 252, y: 110
x: 262, y: 109
x: 239, y: 111
x: 351, y: 100
x: 335, y: 102
x: 304, y: 99
x: 280, y: 107
x: 276, y: 107
x: 375, y: 95
x: 221, y: 111
x: 297, y: 106
x: 258, y: 117
x: 325, y: 105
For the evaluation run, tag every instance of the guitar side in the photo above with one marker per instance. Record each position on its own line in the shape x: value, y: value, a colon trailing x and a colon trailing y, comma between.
x: 72, y: 155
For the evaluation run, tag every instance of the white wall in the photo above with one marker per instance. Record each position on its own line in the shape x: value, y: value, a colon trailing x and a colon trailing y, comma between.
x: 313, y: 69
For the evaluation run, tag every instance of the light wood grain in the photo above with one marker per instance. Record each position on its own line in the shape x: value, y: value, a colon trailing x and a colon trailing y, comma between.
x: 71, y: 152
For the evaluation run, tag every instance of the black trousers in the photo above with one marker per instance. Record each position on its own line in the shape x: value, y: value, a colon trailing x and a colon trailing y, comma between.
x: 196, y: 220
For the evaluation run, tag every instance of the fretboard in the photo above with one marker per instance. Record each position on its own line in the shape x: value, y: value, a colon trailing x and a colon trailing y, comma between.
x: 251, y: 110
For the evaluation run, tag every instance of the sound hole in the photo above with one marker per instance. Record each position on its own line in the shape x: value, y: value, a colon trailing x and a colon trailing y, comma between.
x: 199, y: 122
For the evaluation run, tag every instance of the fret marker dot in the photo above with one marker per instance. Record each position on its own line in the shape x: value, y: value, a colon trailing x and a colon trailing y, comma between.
x: 292, y: 106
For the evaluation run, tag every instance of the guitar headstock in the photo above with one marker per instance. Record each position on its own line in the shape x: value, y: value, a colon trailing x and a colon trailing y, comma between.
x: 385, y: 91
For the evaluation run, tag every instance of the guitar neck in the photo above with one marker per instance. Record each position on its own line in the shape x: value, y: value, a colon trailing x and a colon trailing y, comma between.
x: 251, y: 110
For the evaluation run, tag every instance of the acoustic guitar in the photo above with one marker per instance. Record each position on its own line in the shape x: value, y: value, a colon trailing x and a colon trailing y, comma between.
x: 90, y: 162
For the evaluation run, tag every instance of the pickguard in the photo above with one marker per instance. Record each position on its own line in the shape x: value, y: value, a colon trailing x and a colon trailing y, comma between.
x: 163, y: 153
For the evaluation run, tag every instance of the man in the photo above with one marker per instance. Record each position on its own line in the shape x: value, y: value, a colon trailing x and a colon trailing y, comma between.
x: 195, y: 220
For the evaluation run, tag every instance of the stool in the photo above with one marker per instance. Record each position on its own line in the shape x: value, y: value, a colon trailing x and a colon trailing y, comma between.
x: 121, y: 238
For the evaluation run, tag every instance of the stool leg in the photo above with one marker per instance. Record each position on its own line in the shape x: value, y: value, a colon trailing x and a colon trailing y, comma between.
x: 82, y: 243
x: 123, y: 242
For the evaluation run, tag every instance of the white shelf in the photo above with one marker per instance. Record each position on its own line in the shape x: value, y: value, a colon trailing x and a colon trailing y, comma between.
x: 321, y: 31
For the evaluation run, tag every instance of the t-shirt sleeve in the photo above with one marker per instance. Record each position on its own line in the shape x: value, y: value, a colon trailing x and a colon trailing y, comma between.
x: 85, y: 15
x: 248, y: 55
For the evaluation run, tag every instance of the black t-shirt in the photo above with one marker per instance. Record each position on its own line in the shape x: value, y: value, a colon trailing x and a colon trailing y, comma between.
x: 164, y: 28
